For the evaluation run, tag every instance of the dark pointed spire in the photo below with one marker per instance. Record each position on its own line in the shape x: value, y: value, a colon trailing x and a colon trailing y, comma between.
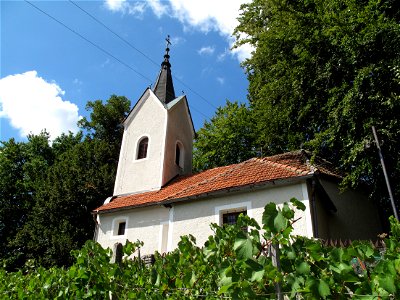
x: 164, y: 87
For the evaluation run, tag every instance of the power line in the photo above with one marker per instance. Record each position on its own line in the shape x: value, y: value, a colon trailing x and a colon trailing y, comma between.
x: 141, y: 52
x: 193, y: 91
x: 113, y: 32
x: 103, y: 50
x: 90, y: 42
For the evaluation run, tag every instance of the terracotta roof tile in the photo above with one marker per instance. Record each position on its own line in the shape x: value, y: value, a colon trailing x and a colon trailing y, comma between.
x: 251, y: 172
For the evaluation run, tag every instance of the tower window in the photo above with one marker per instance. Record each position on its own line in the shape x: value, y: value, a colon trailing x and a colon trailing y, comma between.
x: 142, y: 149
x: 177, y: 154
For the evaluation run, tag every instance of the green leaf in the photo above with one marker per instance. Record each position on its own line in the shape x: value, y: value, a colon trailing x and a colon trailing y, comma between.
x: 323, y: 289
x: 291, y: 255
x: 193, y: 279
x: 337, y: 254
x: 303, y: 268
x: 243, y: 247
x: 387, y: 283
x: 269, y: 214
x: 224, y: 289
x: 280, y: 222
x: 226, y: 276
x: 257, y: 275
x: 298, y: 204
x: 287, y: 212
x: 257, y: 270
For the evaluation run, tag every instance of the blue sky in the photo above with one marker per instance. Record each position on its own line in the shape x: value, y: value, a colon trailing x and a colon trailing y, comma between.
x: 48, y: 73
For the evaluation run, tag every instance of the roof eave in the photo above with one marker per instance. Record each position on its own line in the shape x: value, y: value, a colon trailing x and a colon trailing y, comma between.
x: 237, y: 189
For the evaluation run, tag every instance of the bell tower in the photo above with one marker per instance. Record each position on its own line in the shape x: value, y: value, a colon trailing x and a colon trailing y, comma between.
x: 158, y: 137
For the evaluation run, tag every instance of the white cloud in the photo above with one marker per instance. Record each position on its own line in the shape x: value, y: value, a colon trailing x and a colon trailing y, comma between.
x: 222, y: 18
x: 158, y: 8
x: 206, y: 50
x: 221, y: 80
x: 115, y: 5
x: 243, y: 51
x: 76, y: 81
x: 105, y: 63
x: 177, y: 40
x: 137, y: 8
x: 33, y: 104
x: 207, y: 71
x: 205, y: 15
x: 222, y: 55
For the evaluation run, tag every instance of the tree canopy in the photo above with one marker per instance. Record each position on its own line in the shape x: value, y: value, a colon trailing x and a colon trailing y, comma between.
x: 48, y: 189
x: 227, y: 139
x: 321, y: 75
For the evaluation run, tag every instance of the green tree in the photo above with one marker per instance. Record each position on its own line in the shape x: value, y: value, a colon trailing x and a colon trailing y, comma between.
x: 14, y: 198
x: 23, y: 168
x: 227, y: 139
x: 78, y: 182
x: 49, y: 189
x: 106, y: 119
x: 322, y: 73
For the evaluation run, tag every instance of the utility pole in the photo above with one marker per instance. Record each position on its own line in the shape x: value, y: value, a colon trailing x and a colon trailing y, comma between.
x: 276, y: 262
x: 385, y: 173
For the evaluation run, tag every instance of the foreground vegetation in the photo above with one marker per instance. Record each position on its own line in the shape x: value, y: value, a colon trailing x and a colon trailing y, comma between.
x: 232, y: 264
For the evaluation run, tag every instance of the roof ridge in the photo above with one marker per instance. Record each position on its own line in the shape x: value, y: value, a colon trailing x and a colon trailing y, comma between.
x: 294, y: 152
x: 285, y: 166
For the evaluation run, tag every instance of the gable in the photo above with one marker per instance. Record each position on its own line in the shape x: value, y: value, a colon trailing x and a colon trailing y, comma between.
x: 147, y: 95
x: 179, y: 101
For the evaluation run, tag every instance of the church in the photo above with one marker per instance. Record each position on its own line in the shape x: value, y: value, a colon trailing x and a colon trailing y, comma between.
x: 157, y: 199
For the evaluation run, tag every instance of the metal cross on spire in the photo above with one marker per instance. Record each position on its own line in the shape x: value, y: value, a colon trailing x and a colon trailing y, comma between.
x: 165, y: 63
x: 168, y: 39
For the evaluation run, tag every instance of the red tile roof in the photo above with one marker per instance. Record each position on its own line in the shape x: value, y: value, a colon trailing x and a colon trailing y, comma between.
x: 255, y: 171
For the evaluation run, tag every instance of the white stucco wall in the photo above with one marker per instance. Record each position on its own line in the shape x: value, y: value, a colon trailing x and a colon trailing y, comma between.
x: 143, y: 224
x: 148, y: 119
x: 195, y: 217
x: 179, y: 128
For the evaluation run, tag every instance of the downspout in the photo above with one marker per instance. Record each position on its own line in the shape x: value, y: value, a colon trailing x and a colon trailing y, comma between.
x: 314, y: 207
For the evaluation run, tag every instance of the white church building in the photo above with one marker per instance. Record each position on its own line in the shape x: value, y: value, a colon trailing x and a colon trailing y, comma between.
x: 157, y: 199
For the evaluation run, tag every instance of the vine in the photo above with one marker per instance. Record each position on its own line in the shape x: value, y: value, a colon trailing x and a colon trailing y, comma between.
x: 233, y: 263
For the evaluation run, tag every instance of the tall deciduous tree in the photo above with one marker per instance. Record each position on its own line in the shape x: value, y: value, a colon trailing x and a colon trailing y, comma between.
x: 49, y: 189
x: 322, y: 73
x: 227, y: 139
x: 106, y: 119
x: 23, y: 168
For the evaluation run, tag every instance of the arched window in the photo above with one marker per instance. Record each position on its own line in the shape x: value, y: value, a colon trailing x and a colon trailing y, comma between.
x: 179, y: 154
x: 142, y: 149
